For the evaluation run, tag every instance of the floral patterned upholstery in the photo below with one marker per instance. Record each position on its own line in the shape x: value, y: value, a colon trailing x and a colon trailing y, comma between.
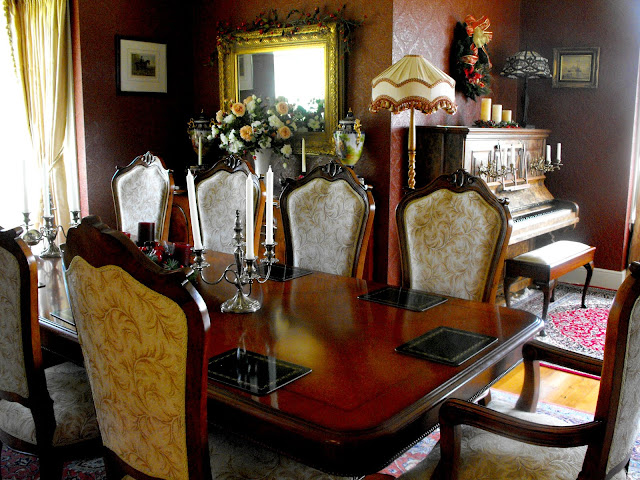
x: 141, y: 421
x: 72, y: 407
x: 451, y: 238
x: 628, y: 418
x: 219, y: 196
x: 142, y: 196
x: 487, y: 456
x: 13, y: 376
x: 326, y: 219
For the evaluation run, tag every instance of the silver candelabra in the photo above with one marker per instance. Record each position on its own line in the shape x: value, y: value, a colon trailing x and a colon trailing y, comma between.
x: 244, y: 271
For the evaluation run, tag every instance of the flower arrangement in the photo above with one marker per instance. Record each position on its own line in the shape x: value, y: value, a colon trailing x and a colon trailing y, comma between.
x: 473, y: 64
x: 251, y: 125
x: 270, y: 20
x: 312, y: 119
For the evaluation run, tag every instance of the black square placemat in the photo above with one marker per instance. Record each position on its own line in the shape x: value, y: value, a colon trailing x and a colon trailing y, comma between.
x: 253, y: 372
x: 282, y: 273
x: 404, y: 298
x: 447, y: 345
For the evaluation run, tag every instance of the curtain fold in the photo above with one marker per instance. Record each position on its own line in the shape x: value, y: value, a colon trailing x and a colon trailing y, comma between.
x: 40, y: 48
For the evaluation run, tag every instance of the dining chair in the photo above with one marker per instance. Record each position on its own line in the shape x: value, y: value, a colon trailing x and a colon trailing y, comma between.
x: 220, y: 191
x: 145, y: 346
x: 46, y: 412
x: 327, y: 217
x: 143, y: 192
x: 503, y: 442
x: 453, y: 236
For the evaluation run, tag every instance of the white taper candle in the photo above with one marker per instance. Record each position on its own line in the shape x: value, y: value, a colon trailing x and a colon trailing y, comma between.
x: 249, y: 254
x: 193, y: 210
x: 269, y: 221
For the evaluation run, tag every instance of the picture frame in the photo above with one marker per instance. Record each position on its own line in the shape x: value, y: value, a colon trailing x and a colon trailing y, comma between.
x: 141, y: 66
x: 576, y: 67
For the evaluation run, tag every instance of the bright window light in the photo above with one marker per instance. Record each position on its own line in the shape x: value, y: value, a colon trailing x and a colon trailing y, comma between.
x: 298, y: 90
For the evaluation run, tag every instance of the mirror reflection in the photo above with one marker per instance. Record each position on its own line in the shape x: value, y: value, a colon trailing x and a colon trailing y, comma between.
x: 296, y: 76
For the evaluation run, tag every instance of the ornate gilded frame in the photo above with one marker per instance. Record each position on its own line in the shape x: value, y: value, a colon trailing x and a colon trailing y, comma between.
x: 327, y: 36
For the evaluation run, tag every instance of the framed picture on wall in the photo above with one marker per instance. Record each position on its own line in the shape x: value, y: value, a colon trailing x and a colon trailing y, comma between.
x: 141, y: 66
x: 576, y: 67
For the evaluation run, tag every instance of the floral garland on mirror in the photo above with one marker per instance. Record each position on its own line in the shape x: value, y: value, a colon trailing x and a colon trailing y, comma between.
x: 270, y: 20
x: 473, y: 64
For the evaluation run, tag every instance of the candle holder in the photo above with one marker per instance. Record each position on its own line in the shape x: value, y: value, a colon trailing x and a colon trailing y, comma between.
x: 50, y: 232
x: 541, y: 165
x: 75, y: 218
x: 244, y: 271
x: 30, y: 236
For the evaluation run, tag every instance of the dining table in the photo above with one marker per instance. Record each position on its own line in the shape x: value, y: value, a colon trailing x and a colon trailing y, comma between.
x: 358, y: 403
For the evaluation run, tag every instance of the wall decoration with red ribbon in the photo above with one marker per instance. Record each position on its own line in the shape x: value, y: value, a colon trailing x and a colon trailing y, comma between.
x: 473, y: 65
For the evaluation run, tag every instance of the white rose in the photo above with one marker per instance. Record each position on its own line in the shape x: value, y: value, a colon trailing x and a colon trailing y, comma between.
x: 286, y: 150
x: 229, y: 118
x: 275, y: 121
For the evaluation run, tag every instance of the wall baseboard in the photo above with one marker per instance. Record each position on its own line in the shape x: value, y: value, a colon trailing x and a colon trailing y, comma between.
x: 601, y: 278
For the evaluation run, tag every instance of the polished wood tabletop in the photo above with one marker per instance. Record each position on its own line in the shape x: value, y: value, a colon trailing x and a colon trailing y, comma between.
x: 363, y: 403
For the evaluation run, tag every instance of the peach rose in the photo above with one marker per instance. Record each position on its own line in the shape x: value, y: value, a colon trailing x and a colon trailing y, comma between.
x: 282, y: 108
x: 284, y: 132
x: 248, y: 99
x: 238, y: 109
x: 219, y: 116
x: 246, y: 133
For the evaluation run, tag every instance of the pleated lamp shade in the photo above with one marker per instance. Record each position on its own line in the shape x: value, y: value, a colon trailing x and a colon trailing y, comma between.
x: 413, y: 82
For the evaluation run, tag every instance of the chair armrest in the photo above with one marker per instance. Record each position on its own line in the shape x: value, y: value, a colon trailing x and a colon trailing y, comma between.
x: 536, y: 350
x: 454, y: 413
x: 533, y: 352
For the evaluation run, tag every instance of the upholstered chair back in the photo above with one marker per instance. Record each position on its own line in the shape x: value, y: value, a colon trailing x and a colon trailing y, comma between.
x: 327, y: 218
x: 619, y: 398
x: 453, y: 238
x: 16, y: 262
x: 220, y: 191
x: 143, y: 192
x: 142, y: 335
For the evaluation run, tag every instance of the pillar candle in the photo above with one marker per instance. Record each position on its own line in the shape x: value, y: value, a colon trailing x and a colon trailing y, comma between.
x: 548, y: 153
x: 182, y: 253
x: 25, y: 182
x: 304, y: 157
x: 146, y: 232
x: 46, y: 196
x: 496, y: 113
x: 485, y: 109
x: 249, y: 254
x: 558, y: 156
x: 193, y: 211
x: 506, y: 116
x: 269, y: 221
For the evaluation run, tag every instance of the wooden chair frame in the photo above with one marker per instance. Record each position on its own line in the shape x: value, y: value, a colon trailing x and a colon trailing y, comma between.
x: 39, y: 401
x: 148, y: 160
x: 597, y: 435
x: 234, y: 164
x: 99, y: 245
x: 331, y: 172
x: 459, y: 182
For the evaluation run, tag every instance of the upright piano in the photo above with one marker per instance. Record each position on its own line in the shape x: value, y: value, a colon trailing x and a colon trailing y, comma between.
x: 512, y: 162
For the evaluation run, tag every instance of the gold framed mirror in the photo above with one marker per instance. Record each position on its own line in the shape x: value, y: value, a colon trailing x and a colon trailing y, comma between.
x: 300, y: 64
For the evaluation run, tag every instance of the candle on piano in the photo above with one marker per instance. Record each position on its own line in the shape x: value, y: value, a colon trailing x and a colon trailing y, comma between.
x: 496, y: 113
x: 249, y: 254
x: 304, y: 156
x: 558, y: 152
x: 548, y: 153
x: 193, y: 210
x: 269, y: 221
x: 485, y: 109
x: 506, y: 116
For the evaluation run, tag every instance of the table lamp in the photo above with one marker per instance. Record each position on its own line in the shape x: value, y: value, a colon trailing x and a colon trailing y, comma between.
x: 413, y: 83
x: 526, y: 64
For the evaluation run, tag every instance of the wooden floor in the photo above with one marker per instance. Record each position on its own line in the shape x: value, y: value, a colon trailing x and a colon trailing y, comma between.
x: 557, y: 387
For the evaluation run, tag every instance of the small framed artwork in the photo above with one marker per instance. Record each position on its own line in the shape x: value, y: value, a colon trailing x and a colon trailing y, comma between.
x: 576, y: 67
x: 141, y: 66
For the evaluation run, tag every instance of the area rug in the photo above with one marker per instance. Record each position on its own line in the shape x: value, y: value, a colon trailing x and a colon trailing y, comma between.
x: 568, y: 325
x: 417, y: 453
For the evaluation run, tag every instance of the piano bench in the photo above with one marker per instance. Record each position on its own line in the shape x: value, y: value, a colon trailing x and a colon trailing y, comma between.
x: 546, y: 264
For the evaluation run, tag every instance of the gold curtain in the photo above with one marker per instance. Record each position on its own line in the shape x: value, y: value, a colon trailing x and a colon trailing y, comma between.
x: 40, y: 48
